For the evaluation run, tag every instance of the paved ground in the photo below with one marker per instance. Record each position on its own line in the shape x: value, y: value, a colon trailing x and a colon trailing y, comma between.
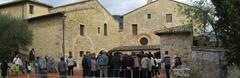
x: 78, y: 74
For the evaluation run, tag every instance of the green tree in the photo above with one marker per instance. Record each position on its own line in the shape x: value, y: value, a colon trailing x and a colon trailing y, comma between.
x: 228, y: 27
x: 201, y: 15
x: 14, y: 34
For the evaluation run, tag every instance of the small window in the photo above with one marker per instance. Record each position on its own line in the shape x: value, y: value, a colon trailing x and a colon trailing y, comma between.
x: 105, y: 30
x: 168, y: 17
x: 149, y: 16
x: 120, y: 27
x: 81, y: 29
x: 81, y: 53
x: 98, y: 30
x: 134, y: 29
x: 31, y: 8
x: 70, y: 53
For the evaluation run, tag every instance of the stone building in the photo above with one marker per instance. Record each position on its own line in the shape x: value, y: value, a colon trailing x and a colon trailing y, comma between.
x: 158, y: 15
x: 86, y: 26
x: 177, y: 41
x: 80, y: 27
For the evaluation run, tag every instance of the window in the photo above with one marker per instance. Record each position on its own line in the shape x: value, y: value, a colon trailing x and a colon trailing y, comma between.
x: 31, y: 9
x: 149, y: 16
x: 134, y: 29
x: 81, y: 53
x: 70, y: 53
x: 143, y: 41
x: 120, y: 27
x: 81, y: 29
x: 105, y: 29
x: 168, y: 17
x: 98, y: 30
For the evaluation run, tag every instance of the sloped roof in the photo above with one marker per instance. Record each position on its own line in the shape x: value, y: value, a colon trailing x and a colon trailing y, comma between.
x: 140, y: 7
x: 47, y: 15
x: 150, y: 4
x: 185, y: 29
x: 21, y: 1
x: 136, y: 48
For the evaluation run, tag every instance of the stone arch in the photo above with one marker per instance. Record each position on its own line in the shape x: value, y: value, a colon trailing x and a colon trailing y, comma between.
x: 82, y: 43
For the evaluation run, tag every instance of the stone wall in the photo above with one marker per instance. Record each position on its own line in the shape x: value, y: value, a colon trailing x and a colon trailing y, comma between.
x: 178, y: 44
x: 47, y: 36
x: 208, y: 63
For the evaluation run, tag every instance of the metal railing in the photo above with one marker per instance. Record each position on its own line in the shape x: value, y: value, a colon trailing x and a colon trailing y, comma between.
x: 111, y: 73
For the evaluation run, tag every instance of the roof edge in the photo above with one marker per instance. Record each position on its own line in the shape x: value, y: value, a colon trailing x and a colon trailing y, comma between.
x: 140, y: 7
x: 47, y: 15
x: 24, y: 1
x: 70, y: 4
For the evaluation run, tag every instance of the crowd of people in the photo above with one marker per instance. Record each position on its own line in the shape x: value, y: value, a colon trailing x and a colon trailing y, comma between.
x: 103, y: 64
x: 39, y: 65
x: 135, y: 65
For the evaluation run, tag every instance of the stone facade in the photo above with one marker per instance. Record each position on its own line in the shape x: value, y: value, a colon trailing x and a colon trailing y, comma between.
x: 157, y: 10
x: 13, y: 10
x: 47, y: 35
x: 92, y: 16
x: 21, y: 9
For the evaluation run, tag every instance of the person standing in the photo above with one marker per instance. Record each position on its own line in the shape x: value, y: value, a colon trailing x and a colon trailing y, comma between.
x: 17, y: 61
x: 4, y: 69
x: 177, y: 61
x: 167, y: 64
x: 62, y: 68
x: 93, y: 65
x: 145, y: 66
x: 31, y: 57
x: 136, y: 65
x: 157, y: 62
x: 37, y: 67
x: 43, y: 67
x: 70, y: 64
x: 116, y: 64
x: 127, y: 64
x: 84, y: 65
x: 89, y: 58
x: 102, y: 61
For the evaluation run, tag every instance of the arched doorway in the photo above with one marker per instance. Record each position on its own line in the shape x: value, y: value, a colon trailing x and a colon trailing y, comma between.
x: 81, y: 45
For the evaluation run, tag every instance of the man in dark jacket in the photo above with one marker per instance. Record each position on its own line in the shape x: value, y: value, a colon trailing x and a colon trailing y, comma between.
x: 167, y: 63
x: 116, y: 64
x: 4, y: 68
x: 62, y: 68
x: 127, y: 64
x: 84, y: 65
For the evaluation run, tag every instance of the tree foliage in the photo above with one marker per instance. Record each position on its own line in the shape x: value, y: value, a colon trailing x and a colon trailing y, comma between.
x: 14, y: 33
x: 200, y: 14
x: 228, y: 27
x: 224, y: 17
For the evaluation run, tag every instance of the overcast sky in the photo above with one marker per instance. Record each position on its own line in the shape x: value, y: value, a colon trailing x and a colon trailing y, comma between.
x: 115, y: 7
